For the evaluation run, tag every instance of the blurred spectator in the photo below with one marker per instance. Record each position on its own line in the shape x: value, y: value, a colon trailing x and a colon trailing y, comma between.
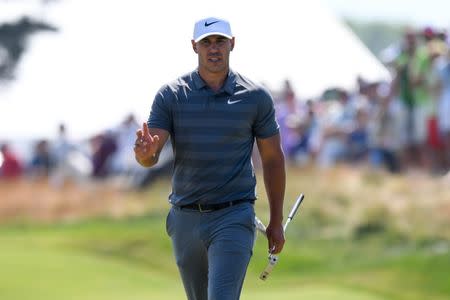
x: 443, y: 115
x: 10, y: 164
x: 306, y: 126
x: 369, y: 91
x: 437, y: 52
x: 123, y: 161
x: 291, y: 115
x: 335, y: 125
x: 70, y: 162
x: 41, y: 162
x: 357, y: 143
x: 298, y: 152
x: 104, y: 146
x: 384, y: 136
x: 403, y: 85
x: 422, y: 82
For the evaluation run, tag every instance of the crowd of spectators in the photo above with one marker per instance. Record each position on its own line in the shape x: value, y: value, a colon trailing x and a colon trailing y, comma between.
x: 400, y: 125
x: 63, y: 159
x: 106, y: 155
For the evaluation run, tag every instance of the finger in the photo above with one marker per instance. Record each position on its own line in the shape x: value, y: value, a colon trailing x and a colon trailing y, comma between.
x: 139, y: 133
x: 145, y: 129
x: 274, y: 248
x: 280, y: 245
x: 271, y: 245
x: 277, y: 248
x: 153, y: 140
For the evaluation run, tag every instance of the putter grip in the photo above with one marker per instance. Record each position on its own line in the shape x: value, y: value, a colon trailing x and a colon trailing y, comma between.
x: 273, y: 259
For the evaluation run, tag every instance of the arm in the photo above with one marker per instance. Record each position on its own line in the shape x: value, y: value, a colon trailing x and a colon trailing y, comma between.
x: 272, y: 159
x: 149, y: 143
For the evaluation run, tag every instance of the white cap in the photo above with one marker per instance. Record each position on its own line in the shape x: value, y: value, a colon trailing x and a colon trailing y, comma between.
x: 212, y: 26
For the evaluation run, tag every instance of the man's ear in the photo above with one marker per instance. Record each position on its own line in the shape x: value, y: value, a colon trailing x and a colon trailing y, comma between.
x: 194, y: 46
x: 232, y: 43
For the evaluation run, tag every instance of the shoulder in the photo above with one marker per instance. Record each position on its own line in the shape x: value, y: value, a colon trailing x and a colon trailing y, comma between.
x: 174, y: 87
x: 253, y: 88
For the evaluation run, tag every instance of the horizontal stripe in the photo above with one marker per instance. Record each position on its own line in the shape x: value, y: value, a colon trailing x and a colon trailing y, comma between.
x: 220, y: 167
x: 188, y: 186
x: 218, y: 108
x: 207, y: 155
x: 207, y: 135
x: 208, y: 140
x: 214, y: 115
x: 234, y: 122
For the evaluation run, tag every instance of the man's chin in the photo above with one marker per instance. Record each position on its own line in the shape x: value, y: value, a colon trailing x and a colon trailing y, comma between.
x: 217, y: 68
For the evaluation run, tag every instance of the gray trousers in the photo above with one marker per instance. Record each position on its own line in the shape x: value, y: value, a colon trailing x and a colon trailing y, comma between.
x: 212, y: 249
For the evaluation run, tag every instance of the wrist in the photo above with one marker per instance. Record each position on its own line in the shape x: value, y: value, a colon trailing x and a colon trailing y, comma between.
x: 276, y: 220
x: 276, y: 214
x: 147, y: 161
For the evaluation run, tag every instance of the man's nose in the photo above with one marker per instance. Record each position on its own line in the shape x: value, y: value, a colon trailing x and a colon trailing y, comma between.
x: 214, y: 46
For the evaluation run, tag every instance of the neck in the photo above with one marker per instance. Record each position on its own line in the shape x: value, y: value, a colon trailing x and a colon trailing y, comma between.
x: 214, y: 80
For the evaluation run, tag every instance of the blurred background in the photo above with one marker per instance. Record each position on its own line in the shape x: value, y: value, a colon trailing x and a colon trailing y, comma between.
x: 362, y: 95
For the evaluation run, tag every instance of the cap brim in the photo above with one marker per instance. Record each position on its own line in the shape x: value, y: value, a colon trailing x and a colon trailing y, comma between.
x: 212, y: 33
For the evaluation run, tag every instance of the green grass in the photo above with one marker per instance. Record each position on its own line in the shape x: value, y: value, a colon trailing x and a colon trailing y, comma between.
x: 344, y: 244
x: 132, y: 259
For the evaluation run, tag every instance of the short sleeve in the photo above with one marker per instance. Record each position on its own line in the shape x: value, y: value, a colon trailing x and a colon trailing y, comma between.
x: 265, y: 123
x: 161, y: 112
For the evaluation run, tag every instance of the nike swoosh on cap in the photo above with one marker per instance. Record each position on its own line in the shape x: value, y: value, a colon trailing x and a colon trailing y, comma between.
x: 233, y: 102
x: 209, y: 24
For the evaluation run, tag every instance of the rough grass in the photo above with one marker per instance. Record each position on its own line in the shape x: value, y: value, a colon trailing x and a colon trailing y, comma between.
x: 358, y: 235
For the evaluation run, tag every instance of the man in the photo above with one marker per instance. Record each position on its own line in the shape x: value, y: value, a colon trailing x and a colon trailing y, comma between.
x: 213, y: 116
x: 404, y: 87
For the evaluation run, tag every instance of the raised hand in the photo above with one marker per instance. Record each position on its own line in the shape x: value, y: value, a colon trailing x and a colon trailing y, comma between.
x: 146, y: 145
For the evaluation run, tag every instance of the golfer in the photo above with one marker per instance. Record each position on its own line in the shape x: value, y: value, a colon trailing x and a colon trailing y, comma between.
x: 213, y: 116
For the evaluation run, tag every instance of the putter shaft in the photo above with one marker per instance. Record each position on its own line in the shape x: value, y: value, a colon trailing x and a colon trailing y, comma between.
x: 273, y: 259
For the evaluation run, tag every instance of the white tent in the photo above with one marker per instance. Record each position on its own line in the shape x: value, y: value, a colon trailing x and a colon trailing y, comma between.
x: 111, y: 56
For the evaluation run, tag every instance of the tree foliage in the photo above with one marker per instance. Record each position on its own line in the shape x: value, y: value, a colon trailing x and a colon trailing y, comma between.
x: 14, y: 40
x: 377, y: 35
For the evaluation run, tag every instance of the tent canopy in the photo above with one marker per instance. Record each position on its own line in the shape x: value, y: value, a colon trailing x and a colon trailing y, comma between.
x: 110, y: 58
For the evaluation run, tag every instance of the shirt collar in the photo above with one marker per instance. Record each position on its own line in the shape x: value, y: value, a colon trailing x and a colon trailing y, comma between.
x: 230, y: 83
x: 228, y: 86
x: 198, y: 81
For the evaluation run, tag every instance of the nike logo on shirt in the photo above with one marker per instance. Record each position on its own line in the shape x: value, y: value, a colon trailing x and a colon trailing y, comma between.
x: 233, y: 102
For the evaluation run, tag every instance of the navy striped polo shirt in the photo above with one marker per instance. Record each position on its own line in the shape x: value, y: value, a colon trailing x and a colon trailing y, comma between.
x: 212, y: 135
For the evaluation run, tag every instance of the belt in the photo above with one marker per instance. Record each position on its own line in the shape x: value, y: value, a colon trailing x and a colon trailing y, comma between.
x: 213, y: 207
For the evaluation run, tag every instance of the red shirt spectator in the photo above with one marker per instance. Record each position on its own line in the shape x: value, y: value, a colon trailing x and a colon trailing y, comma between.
x: 10, y: 165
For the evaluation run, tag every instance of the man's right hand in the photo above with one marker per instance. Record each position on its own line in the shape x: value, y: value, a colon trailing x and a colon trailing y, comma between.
x: 145, y: 146
x: 275, y: 237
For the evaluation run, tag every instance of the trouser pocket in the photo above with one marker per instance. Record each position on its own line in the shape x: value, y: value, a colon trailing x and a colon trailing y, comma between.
x: 169, y: 218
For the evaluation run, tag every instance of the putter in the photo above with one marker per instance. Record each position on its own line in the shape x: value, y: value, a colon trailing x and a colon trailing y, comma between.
x: 273, y: 259
x: 260, y: 226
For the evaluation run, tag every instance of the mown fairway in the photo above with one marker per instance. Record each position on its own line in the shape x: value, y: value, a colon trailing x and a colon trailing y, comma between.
x: 357, y: 236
